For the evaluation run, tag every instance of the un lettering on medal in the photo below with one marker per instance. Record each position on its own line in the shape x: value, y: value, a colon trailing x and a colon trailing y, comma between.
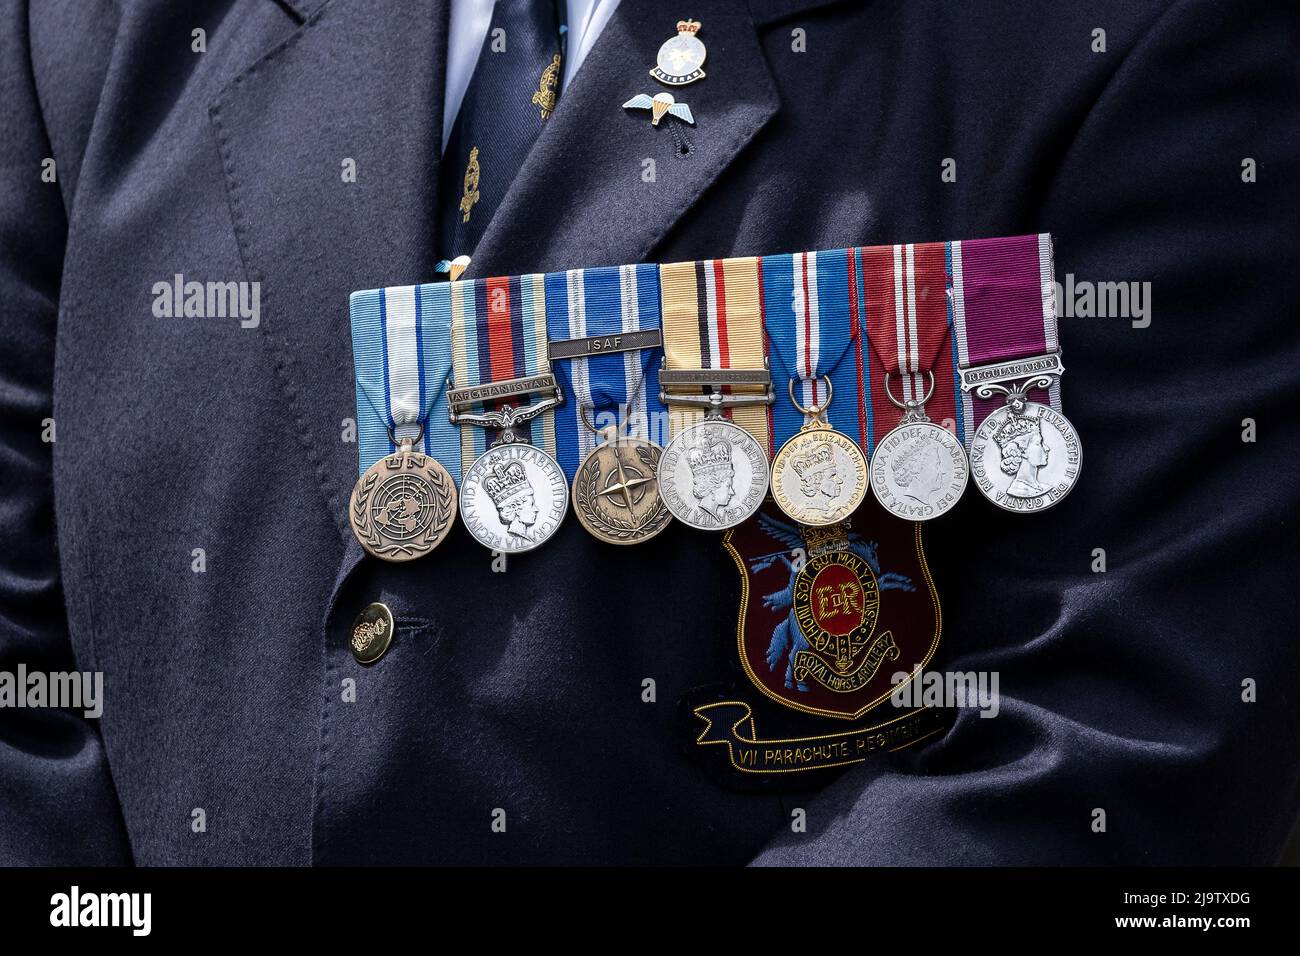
x: 403, y: 506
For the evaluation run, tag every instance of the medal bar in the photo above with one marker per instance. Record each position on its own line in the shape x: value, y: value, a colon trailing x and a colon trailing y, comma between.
x: 464, y: 397
x: 865, y: 324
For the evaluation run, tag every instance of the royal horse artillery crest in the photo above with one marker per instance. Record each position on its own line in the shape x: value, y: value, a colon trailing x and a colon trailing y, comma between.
x: 546, y: 95
x: 828, y: 615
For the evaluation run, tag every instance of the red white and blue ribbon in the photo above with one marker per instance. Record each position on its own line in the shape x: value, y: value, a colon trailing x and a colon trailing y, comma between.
x: 811, y: 312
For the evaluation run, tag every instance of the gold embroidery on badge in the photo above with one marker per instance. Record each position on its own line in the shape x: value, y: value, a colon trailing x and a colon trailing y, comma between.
x: 744, y: 604
x: 544, y: 98
x: 470, y: 197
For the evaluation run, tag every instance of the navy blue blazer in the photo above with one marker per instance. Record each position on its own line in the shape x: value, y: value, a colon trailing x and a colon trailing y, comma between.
x: 521, y: 690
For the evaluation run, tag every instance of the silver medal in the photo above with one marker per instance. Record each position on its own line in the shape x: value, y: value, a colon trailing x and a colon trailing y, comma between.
x: 515, y: 495
x: 1025, y: 460
x: 1025, y: 456
x: 513, y: 498
x: 713, y: 475
x: 918, y: 470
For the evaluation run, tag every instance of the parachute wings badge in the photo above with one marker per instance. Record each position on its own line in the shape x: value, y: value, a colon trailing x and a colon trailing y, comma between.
x: 660, y: 105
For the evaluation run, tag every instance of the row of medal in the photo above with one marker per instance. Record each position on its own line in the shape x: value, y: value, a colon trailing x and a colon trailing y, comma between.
x: 712, y: 476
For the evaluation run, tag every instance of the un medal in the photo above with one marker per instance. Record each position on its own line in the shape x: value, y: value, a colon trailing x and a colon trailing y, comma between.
x: 713, y: 475
x: 513, y: 498
x: 403, y: 506
x: 616, y: 492
x: 1027, y: 460
x: 918, y: 471
x: 819, y: 476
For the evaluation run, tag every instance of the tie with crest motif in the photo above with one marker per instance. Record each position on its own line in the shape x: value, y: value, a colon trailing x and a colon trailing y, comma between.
x: 510, y: 97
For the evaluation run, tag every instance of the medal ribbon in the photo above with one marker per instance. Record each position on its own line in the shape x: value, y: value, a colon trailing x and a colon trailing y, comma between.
x: 888, y: 308
x: 907, y: 324
x: 1004, y: 307
x: 399, y: 347
x: 584, y: 303
x: 497, y: 333
x: 713, y: 319
x: 813, y: 322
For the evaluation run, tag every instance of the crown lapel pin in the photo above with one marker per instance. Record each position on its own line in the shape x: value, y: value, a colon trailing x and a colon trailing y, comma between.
x: 679, y: 62
x: 681, y: 57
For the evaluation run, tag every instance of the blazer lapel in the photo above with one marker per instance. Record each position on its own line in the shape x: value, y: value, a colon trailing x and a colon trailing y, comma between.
x: 582, y: 198
x: 359, y: 85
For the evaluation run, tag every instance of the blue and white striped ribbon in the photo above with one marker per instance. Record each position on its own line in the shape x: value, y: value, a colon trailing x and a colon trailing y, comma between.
x: 402, y: 359
x: 617, y: 388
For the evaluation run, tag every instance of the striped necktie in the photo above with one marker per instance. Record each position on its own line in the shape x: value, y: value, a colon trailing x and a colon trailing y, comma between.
x: 511, y: 95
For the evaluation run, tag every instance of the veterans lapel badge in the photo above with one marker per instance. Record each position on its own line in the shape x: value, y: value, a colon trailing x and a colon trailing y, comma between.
x: 681, y: 57
x: 678, y: 63
x: 827, y: 617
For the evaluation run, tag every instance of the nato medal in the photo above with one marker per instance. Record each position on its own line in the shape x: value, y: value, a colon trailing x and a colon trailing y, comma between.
x: 616, y: 490
x: 819, y: 476
x: 681, y: 57
x: 403, y: 505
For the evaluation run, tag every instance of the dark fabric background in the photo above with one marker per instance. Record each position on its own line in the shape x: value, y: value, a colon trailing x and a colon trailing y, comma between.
x: 521, y: 690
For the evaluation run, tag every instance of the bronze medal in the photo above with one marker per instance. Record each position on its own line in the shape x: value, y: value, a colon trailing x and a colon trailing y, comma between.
x: 616, y: 491
x: 403, y: 506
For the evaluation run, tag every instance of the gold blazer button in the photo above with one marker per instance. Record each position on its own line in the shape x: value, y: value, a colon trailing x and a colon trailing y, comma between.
x: 372, y: 632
